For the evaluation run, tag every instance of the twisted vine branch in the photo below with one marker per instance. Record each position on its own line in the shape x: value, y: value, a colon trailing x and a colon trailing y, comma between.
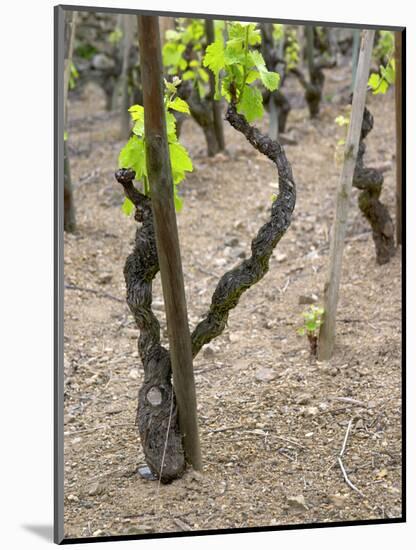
x: 155, y: 418
x: 370, y: 182
x: 233, y: 283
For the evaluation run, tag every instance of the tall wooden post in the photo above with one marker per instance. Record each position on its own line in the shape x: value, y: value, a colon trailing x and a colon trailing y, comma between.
x: 69, y: 38
x: 331, y: 290
x: 355, y: 49
x: 167, y: 240
x: 398, y: 37
x: 216, y: 105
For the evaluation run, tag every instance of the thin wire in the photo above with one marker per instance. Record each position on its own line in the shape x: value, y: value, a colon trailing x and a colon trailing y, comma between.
x: 166, y: 442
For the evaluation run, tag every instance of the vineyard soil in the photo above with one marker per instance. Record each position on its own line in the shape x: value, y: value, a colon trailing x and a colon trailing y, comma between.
x: 272, y: 420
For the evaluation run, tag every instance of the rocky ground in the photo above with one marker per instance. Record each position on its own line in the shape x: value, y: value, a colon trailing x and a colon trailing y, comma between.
x: 272, y: 420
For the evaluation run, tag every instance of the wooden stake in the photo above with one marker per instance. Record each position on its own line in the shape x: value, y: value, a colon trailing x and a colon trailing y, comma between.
x: 399, y: 130
x: 331, y: 289
x: 167, y: 240
x: 69, y: 39
x: 355, y: 48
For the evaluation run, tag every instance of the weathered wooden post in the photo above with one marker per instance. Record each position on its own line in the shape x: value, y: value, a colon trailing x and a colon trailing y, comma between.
x: 331, y: 289
x: 355, y: 49
x: 69, y: 38
x: 398, y: 37
x: 167, y: 240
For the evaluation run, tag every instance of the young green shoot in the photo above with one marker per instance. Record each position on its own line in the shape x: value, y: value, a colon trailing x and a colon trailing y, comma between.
x: 133, y: 154
x: 312, y: 320
x: 381, y: 81
x: 241, y: 66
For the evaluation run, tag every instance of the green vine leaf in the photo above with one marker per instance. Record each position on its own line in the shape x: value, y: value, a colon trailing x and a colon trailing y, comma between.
x: 133, y: 156
x: 215, y: 60
x: 378, y: 84
x: 179, y: 105
x: 239, y: 32
x: 127, y: 207
x: 251, y: 103
x: 270, y: 79
x: 180, y: 161
x: 137, y: 115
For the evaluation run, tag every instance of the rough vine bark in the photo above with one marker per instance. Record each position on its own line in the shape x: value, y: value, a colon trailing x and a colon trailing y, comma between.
x: 157, y: 413
x: 370, y: 182
x: 233, y: 283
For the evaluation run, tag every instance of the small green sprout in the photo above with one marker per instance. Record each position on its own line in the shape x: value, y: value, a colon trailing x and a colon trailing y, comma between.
x: 115, y: 36
x: 341, y: 120
x: 312, y: 320
x: 133, y: 154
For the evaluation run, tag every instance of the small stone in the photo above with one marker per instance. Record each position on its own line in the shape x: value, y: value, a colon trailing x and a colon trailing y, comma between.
x: 265, y: 374
x: 297, y: 502
x: 220, y: 262
x: 233, y: 241
x: 303, y: 399
x: 310, y: 411
x: 134, y: 374
x: 280, y: 257
x: 146, y: 473
x: 97, y: 488
x: 105, y: 278
x: 86, y: 504
x: 73, y: 498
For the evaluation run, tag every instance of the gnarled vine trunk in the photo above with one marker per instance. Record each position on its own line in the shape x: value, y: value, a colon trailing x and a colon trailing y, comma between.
x: 370, y: 182
x: 157, y: 413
